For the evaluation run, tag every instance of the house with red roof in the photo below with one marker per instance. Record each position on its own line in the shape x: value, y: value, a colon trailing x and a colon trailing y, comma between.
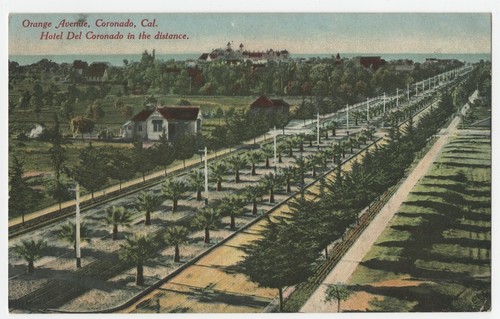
x: 175, y: 120
x: 265, y: 104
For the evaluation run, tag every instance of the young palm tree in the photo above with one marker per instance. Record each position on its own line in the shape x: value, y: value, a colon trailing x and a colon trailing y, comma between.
x: 312, y: 161
x: 232, y: 205
x: 176, y: 235
x: 117, y: 216
x: 197, y: 181
x: 322, y: 158
x: 290, y: 143
x: 147, y: 202
x: 206, y: 218
x: 253, y: 194
x: 280, y: 148
x: 267, y: 152
x: 299, y: 140
x: 288, y: 174
x: 270, y: 183
x: 67, y: 233
x: 301, y: 167
x: 174, y: 189
x: 138, y: 250
x: 337, y: 153
x: 30, y: 251
x: 237, y: 162
x: 253, y: 158
x: 333, y: 126
x: 218, y: 172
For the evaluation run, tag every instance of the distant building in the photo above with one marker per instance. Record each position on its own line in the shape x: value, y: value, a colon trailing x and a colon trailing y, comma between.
x: 149, y: 124
x: 265, y: 104
x: 230, y: 56
x: 371, y: 62
x: 80, y: 66
x: 97, y: 72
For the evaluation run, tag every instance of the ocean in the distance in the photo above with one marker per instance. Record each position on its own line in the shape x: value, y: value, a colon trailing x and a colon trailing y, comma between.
x: 117, y: 59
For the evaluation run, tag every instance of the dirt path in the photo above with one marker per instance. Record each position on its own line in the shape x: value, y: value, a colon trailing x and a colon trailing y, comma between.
x: 348, y: 264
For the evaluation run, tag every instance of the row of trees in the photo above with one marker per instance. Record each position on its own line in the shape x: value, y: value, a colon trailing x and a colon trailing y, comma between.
x: 285, y: 255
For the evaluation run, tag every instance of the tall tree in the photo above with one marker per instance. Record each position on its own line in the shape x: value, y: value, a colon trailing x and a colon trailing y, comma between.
x: 91, y: 171
x: 147, y: 202
x: 143, y: 159
x: 21, y: 195
x: 174, y: 189
x: 164, y: 152
x: 30, y: 251
x: 119, y: 166
x: 176, y: 235
x: 117, y: 216
x: 137, y: 251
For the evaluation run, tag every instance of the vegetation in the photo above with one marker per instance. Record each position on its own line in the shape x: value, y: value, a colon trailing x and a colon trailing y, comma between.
x: 30, y: 251
x: 176, y: 235
x: 137, y: 251
x: 117, y: 216
x: 147, y: 202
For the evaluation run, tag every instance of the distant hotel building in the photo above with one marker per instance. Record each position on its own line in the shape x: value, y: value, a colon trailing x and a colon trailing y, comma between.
x: 231, y: 56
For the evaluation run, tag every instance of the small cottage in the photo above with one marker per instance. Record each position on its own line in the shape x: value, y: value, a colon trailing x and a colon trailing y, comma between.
x: 175, y: 120
x: 265, y: 104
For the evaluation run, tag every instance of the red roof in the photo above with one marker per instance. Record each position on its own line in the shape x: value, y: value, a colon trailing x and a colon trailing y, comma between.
x: 142, y: 116
x: 264, y: 101
x: 181, y: 113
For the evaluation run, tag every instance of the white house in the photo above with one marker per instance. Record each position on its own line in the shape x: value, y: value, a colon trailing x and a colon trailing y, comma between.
x: 149, y: 124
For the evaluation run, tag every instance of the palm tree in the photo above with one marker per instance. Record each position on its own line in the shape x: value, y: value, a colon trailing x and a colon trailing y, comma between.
x: 218, y: 171
x: 117, y: 216
x: 270, y: 183
x: 196, y: 180
x: 337, y: 153
x: 322, y: 157
x: 301, y: 168
x: 176, y: 235
x: 280, y: 148
x: 290, y: 143
x: 137, y: 251
x: 333, y: 126
x: 232, y: 205
x: 336, y: 292
x: 312, y: 161
x: 206, y: 218
x: 173, y: 189
x: 288, y: 174
x: 253, y: 158
x: 30, y: 251
x: 267, y: 152
x: 67, y: 233
x: 299, y: 140
x: 147, y: 202
x: 253, y: 194
x: 237, y: 162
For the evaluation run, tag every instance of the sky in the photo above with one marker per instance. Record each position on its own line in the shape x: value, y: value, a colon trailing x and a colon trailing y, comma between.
x: 296, y: 32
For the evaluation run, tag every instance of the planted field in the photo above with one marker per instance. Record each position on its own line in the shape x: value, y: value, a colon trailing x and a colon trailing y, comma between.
x: 435, y: 256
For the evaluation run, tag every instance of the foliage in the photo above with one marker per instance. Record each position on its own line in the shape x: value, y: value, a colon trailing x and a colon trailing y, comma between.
x: 30, y: 251
x: 138, y: 250
x: 147, y: 202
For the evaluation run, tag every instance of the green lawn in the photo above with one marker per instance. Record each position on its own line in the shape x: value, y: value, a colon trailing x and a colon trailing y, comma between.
x: 440, y: 239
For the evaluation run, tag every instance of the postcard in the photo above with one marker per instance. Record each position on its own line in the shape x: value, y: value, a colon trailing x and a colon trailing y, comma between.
x: 249, y: 162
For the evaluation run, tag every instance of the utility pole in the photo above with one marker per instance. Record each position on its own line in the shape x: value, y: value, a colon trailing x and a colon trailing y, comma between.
x: 408, y: 91
x: 77, y: 239
x: 275, y: 149
x: 317, y: 128
x: 347, y: 119
x: 397, y: 97
x: 367, y: 110
x: 206, y: 176
x: 384, y: 102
